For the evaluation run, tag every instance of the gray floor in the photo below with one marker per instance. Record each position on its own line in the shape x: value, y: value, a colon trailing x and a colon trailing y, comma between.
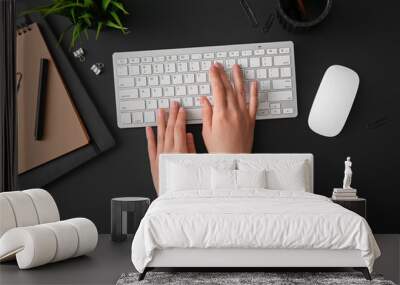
x: 109, y: 260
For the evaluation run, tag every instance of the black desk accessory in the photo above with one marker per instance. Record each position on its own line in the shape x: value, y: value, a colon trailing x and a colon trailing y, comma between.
x: 119, y: 215
x: 101, y: 139
x: 41, y: 98
x: 8, y: 126
x: 302, y: 15
x: 249, y: 12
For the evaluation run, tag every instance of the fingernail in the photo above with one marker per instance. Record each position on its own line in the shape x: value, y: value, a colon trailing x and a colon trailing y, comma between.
x: 181, y: 109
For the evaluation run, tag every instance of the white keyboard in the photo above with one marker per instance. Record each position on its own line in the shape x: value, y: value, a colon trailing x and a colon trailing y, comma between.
x: 148, y: 80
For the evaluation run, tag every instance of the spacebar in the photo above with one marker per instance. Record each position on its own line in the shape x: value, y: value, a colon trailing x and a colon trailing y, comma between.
x: 193, y: 114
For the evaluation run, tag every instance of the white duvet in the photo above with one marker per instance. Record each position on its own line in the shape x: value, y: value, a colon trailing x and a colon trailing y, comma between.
x: 252, y: 218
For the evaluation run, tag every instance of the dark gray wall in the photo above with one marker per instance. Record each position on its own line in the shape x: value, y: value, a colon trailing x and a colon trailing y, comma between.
x: 362, y: 35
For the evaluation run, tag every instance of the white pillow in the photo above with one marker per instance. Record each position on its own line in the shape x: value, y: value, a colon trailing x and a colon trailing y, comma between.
x: 237, y: 179
x: 188, y: 175
x: 292, y: 175
x: 251, y: 179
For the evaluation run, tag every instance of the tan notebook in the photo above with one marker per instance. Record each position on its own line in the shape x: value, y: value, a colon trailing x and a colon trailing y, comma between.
x: 63, y: 129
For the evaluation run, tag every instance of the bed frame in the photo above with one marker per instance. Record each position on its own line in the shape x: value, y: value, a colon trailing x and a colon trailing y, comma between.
x: 246, y: 258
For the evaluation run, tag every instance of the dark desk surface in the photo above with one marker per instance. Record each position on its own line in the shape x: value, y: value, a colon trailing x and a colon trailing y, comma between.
x: 363, y: 36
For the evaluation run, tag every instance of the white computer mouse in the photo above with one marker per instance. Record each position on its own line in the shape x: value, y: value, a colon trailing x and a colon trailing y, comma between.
x: 333, y: 101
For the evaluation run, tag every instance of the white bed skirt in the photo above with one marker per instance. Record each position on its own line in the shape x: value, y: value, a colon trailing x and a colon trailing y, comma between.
x: 193, y: 257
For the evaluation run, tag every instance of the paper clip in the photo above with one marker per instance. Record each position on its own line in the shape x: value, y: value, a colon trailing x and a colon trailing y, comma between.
x: 97, y: 68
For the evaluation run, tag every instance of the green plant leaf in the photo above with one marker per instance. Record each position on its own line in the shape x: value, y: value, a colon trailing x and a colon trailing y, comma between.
x: 119, y: 6
x: 99, y: 27
x: 87, y: 18
x: 105, y: 4
x: 76, y: 32
x: 85, y: 30
x: 73, y: 15
x: 116, y: 18
x: 111, y: 24
x: 88, y: 3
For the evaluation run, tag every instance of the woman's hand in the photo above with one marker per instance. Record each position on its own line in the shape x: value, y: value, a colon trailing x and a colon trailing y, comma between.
x: 171, y: 138
x: 228, y: 126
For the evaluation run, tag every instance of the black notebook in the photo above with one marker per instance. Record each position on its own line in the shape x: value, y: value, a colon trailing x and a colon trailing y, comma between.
x: 100, y: 137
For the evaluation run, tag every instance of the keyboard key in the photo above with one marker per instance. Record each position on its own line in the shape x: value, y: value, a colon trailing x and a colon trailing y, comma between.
x: 137, y: 118
x: 266, y: 61
x: 182, y: 66
x: 122, y: 70
x: 221, y: 54
x: 201, y: 77
x: 288, y: 110
x: 249, y: 74
x: 284, y: 50
x: 126, y: 82
x: 165, y: 79
x: 183, y: 57
x: 280, y: 95
x: 208, y: 55
x: 141, y: 81
x: 272, y: 51
x: 282, y: 60
x: 254, y: 62
x: 163, y: 103
x: 193, y: 89
x: 149, y: 117
x: 193, y: 114
x: 151, y: 104
x: 263, y: 105
x: 156, y: 92
x: 194, y: 66
x: 126, y: 118
x: 122, y: 61
x: 262, y: 113
x: 273, y: 72
x: 261, y: 73
x: 170, y: 67
x: 247, y: 52
x: 196, y: 56
x: 205, y: 65
x: 132, y: 105
x: 158, y: 68
x: 146, y: 59
x: 265, y: 85
x: 168, y: 91
x: 145, y: 69
x: 259, y: 52
x: 187, y: 102
x: 275, y: 105
x: 180, y: 90
x: 282, y: 84
x: 275, y: 111
x: 134, y: 70
x: 229, y: 63
x: 171, y: 57
x: 159, y: 58
x: 286, y: 72
x: 205, y: 89
x: 243, y: 62
x: 197, y: 101
x: 153, y: 80
x: 176, y: 99
x: 129, y: 94
x: 144, y: 92
x: 133, y: 60
x: 188, y: 78
x: 177, y: 79
x: 234, y: 53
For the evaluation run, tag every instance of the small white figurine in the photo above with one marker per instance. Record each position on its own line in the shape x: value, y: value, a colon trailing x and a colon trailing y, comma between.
x: 348, y: 173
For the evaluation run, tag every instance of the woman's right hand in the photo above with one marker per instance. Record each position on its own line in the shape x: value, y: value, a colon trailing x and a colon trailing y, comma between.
x: 228, y: 126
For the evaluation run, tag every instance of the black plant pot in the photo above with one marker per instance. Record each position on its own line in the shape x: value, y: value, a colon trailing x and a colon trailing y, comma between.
x: 296, y: 17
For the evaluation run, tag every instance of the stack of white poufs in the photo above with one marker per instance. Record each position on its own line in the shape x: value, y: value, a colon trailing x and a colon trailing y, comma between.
x: 31, y: 230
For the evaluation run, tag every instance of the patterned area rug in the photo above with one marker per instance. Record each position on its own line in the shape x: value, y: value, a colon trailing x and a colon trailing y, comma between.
x: 244, y: 278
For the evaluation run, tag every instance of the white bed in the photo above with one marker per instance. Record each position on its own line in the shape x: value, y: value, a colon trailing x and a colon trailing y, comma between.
x: 219, y: 226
